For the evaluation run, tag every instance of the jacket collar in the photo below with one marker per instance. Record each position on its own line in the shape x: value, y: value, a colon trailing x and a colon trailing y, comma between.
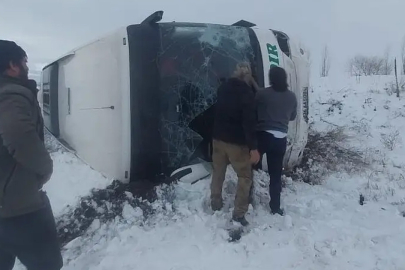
x: 30, y: 84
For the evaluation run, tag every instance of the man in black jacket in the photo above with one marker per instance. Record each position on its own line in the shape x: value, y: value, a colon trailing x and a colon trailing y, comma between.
x: 27, y: 225
x: 234, y: 139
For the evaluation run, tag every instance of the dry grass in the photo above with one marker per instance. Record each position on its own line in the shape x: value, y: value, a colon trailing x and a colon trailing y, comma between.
x: 325, y: 154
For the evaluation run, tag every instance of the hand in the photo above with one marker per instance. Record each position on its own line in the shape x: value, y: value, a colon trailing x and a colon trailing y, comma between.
x: 254, y: 157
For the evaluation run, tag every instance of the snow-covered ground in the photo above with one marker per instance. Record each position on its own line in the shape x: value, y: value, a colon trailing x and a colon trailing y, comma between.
x: 71, y: 179
x: 325, y: 226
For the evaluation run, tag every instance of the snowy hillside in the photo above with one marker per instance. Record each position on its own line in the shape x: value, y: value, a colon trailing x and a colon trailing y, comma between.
x: 353, y: 218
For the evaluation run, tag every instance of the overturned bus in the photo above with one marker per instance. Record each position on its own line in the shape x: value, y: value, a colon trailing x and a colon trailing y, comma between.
x: 138, y: 103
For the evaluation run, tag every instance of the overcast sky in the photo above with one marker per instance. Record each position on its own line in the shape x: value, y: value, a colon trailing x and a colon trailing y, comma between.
x: 49, y: 28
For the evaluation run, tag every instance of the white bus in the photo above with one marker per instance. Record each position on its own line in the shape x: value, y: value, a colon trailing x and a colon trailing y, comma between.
x: 137, y: 104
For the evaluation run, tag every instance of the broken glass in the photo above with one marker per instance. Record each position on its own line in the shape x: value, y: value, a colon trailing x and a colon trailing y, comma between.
x: 192, y: 62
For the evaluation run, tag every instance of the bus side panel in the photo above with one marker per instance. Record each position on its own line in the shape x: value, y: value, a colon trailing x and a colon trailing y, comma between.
x: 302, y: 67
x: 90, y: 104
x: 291, y: 157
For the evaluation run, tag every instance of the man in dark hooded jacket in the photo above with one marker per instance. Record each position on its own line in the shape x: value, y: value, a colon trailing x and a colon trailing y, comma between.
x: 27, y: 225
x: 234, y: 140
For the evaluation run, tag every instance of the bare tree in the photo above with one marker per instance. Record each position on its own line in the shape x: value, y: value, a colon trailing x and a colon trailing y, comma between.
x: 388, y: 66
x: 362, y: 65
x: 396, y: 77
x: 325, y: 62
x: 403, y: 56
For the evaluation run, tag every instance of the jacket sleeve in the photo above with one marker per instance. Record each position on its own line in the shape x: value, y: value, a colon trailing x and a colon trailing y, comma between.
x: 249, y: 117
x: 19, y: 135
x: 294, y: 112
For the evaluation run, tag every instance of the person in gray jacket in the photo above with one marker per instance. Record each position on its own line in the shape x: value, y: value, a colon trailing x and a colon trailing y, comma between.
x: 27, y: 225
x: 276, y: 107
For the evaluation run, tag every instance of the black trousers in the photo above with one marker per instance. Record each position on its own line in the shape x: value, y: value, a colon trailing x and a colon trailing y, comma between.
x: 275, y: 149
x: 31, y: 238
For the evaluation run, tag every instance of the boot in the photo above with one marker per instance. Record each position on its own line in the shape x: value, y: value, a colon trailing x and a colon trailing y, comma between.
x: 278, y: 211
x: 241, y: 220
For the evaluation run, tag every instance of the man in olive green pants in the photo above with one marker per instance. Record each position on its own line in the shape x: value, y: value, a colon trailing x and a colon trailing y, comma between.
x: 234, y: 140
x: 239, y: 157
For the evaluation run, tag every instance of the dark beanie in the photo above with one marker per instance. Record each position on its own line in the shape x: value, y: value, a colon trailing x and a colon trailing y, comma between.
x: 10, y: 52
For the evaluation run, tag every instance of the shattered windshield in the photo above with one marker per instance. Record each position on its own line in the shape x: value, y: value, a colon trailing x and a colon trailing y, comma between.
x: 192, y: 62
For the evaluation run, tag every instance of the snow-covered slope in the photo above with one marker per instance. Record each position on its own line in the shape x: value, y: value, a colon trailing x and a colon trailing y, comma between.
x: 71, y: 179
x: 325, y: 227
x: 374, y: 117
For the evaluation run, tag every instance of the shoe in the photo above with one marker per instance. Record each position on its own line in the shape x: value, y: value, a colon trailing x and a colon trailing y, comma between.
x: 241, y: 220
x: 278, y: 211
